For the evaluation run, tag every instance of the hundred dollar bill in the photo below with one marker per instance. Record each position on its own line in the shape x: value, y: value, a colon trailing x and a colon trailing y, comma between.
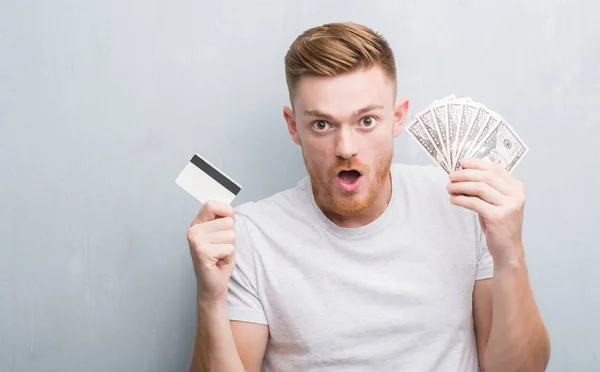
x: 420, y: 135
x: 452, y: 118
x: 502, y: 146
x: 474, y: 129
x: 427, y: 121
x: 439, y: 118
x: 466, y: 119
x: 487, y: 127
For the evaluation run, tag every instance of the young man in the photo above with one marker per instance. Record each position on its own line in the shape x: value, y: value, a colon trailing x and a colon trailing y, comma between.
x: 364, y: 265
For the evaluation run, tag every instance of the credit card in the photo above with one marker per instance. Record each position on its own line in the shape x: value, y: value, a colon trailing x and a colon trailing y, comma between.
x: 204, y: 181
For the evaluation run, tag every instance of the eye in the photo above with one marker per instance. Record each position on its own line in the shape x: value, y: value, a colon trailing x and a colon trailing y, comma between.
x: 320, y: 125
x: 368, y: 122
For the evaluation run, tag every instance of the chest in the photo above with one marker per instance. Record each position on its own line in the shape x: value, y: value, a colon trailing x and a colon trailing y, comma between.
x: 328, y: 297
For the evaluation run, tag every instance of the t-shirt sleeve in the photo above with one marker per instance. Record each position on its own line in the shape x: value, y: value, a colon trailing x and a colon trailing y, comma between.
x: 485, y: 263
x: 243, y: 300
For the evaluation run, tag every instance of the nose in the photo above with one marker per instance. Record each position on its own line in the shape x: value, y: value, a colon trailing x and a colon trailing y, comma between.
x: 345, y: 146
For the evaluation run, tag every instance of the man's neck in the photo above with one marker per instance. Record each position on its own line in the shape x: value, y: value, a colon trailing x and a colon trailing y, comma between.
x: 375, y: 210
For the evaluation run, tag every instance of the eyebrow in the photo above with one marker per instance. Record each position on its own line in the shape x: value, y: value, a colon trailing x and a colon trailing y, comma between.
x: 329, y: 117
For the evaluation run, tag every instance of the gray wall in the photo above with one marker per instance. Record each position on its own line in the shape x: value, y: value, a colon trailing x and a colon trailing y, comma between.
x: 102, y: 104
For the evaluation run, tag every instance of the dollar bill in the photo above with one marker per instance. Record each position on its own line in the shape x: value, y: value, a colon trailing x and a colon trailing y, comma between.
x: 427, y: 121
x: 452, y: 118
x: 467, y: 115
x: 420, y: 135
x: 439, y: 117
x: 490, y: 124
x: 502, y: 146
x: 474, y: 129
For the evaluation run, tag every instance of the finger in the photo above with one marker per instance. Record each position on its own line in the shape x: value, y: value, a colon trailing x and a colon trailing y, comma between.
x: 479, y: 189
x: 473, y: 203
x: 220, y: 224
x: 515, y: 185
x: 216, y: 252
x: 474, y: 163
x: 489, y: 177
x: 213, y: 209
x: 220, y: 237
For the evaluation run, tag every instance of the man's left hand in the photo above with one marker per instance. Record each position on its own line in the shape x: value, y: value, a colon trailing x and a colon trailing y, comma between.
x: 499, y: 200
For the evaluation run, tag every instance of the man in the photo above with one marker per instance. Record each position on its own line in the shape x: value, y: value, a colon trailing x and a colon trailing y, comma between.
x: 364, y: 265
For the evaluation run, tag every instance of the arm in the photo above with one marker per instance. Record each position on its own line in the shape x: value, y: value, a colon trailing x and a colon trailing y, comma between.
x: 251, y: 343
x: 221, y: 345
x: 214, y: 347
x: 515, y: 338
x: 511, y: 335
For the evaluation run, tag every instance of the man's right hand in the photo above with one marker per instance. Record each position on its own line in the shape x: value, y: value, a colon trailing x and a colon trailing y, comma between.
x: 212, y: 238
x: 220, y: 344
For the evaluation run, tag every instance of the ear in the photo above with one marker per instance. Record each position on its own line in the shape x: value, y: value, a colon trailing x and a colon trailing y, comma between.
x: 288, y: 115
x: 400, y: 111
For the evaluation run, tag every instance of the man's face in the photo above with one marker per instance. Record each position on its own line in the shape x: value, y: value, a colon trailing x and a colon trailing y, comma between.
x: 346, y: 125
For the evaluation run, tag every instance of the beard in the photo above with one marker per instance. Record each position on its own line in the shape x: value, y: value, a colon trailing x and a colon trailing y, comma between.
x: 348, y: 205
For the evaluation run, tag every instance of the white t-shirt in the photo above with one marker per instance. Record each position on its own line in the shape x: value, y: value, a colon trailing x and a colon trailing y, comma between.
x: 394, y: 295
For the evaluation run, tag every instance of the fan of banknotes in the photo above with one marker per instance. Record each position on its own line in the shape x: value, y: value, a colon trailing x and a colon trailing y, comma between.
x: 452, y: 128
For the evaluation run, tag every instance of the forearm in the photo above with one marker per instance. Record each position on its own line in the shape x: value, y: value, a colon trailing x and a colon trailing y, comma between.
x: 518, y: 339
x: 214, y: 346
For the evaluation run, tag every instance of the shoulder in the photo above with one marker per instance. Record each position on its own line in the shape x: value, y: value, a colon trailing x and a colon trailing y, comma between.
x: 421, y: 179
x: 287, y: 204
x: 423, y: 189
x: 258, y: 224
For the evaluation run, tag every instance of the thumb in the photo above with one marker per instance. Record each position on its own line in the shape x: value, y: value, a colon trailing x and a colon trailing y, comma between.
x: 213, y: 209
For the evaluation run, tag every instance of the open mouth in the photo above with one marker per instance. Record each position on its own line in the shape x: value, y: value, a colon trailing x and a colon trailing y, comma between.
x: 349, y: 176
x: 349, y: 179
